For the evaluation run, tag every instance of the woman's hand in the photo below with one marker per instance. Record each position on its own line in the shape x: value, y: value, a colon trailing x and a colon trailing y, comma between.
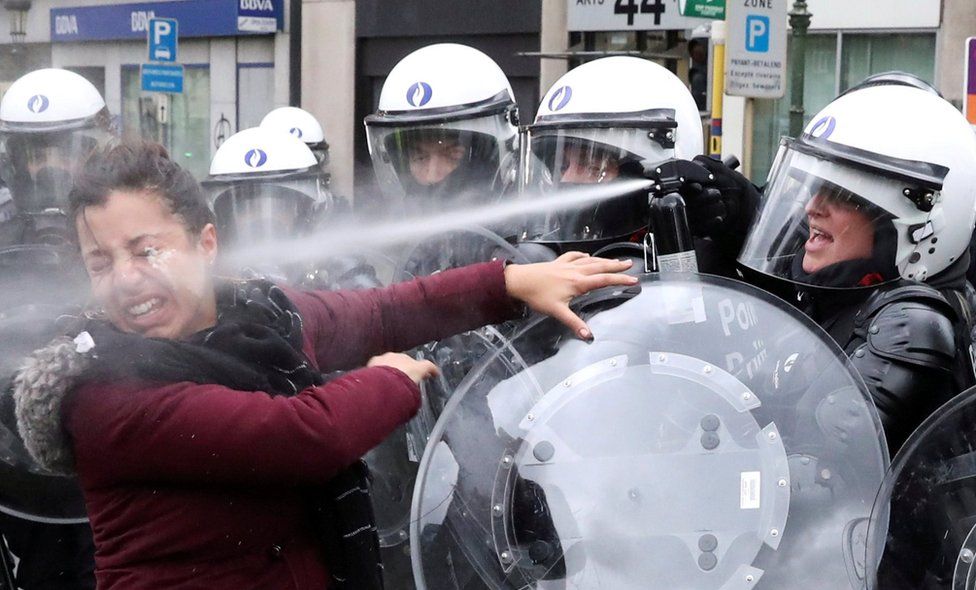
x: 416, y: 370
x: 548, y: 287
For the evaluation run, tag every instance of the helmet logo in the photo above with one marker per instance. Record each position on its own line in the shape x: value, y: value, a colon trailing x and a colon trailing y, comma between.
x: 296, y: 132
x: 824, y: 127
x: 419, y: 94
x: 560, y: 98
x: 255, y: 158
x: 38, y: 103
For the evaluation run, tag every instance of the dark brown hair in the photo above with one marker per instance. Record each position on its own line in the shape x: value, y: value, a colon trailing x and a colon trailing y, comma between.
x: 139, y: 166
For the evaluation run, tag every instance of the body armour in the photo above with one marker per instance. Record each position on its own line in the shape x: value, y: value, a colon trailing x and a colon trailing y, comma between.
x: 910, y: 343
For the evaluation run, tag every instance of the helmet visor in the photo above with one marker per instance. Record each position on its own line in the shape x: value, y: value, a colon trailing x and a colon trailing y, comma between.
x: 561, y: 158
x: 254, y: 212
x: 40, y: 167
x: 444, y: 165
x: 829, y: 224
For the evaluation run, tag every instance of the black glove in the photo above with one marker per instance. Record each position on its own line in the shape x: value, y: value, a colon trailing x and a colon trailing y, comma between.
x: 721, y: 202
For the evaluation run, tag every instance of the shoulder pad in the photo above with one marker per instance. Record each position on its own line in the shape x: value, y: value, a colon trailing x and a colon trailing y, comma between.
x: 908, y: 292
x: 914, y: 332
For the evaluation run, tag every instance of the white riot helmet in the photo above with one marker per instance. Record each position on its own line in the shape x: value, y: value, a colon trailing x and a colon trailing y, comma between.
x: 879, y: 187
x: 51, y: 120
x: 446, y: 131
x: 264, y: 184
x: 302, y: 125
x: 595, y: 125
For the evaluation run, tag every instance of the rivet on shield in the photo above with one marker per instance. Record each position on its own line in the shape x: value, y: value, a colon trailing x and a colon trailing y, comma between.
x: 496, y: 510
x: 662, y: 358
x: 746, y: 396
x: 567, y: 383
x: 506, y: 557
x: 782, y: 482
x: 750, y: 578
x: 774, y: 533
x: 707, y: 561
x: 708, y: 543
x: 613, y: 363
x: 707, y: 370
x: 772, y: 436
x: 710, y: 441
x: 543, y: 451
x: 966, y: 555
x: 507, y: 461
x: 530, y: 417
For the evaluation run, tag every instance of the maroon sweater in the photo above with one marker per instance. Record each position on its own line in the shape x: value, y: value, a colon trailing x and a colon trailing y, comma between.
x: 197, y: 486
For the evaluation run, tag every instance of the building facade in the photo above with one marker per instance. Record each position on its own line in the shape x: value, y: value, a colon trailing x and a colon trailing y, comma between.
x: 848, y: 41
x: 234, y: 55
x: 235, y: 72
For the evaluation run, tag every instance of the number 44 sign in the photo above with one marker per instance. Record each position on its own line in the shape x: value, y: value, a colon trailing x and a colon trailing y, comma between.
x: 622, y: 15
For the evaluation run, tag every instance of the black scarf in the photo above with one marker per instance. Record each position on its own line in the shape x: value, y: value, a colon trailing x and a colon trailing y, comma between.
x: 256, y: 345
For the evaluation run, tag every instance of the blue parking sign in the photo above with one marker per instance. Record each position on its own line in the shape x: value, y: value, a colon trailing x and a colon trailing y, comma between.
x: 757, y: 33
x: 163, y: 36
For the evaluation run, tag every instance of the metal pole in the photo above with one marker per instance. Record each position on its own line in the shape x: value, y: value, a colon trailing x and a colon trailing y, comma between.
x: 799, y: 23
x: 295, y: 53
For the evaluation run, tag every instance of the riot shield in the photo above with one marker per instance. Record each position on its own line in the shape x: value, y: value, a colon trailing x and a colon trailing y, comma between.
x: 710, y: 437
x: 26, y: 490
x: 393, y: 464
x: 923, y: 527
x: 40, y: 282
x: 453, y: 249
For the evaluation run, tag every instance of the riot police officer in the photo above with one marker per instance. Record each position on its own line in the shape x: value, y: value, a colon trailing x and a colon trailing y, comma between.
x: 266, y: 185
x: 445, y: 135
x: 868, y: 222
x: 603, y: 123
x: 303, y: 125
x: 50, y: 121
x: 444, y: 138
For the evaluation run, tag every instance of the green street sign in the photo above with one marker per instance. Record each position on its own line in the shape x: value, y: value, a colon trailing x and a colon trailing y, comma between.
x: 704, y: 8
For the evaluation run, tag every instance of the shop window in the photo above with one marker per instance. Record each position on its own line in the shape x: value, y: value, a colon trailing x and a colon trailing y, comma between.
x: 255, y: 93
x: 771, y: 118
x: 859, y: 56
x: 864, y: 55
x: 181, y: 122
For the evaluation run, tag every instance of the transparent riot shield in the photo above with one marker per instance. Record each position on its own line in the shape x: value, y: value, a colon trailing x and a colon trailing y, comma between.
x: 39, y: 282
x: 393, y: 464
x: 923, y: 527
x: 710, y: 437
x: 453, y: 249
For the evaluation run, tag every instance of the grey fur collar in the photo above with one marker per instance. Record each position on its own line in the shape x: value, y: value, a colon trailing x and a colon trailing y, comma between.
x: 39, y: 388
